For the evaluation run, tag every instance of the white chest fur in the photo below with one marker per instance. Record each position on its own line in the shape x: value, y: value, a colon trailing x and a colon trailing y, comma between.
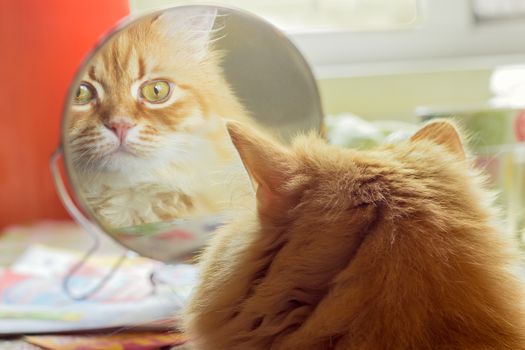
x: 194, y: 180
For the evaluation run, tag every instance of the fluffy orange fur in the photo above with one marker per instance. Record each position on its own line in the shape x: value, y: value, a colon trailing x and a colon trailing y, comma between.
x: 393, y: 248
x: 177, y: 155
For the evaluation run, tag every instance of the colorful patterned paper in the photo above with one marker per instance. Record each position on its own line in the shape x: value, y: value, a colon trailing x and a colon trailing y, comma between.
x: 32, y: 299
x: 121, y: 341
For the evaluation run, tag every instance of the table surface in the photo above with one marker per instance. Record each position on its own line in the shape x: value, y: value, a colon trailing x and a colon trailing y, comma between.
x: 14, y: 240
x: 17, y: 345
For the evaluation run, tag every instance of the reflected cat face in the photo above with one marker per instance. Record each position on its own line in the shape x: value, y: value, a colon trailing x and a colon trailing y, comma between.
x: 147, y: 93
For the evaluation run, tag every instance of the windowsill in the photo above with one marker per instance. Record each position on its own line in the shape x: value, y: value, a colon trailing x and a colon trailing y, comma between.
x: 467, y: 63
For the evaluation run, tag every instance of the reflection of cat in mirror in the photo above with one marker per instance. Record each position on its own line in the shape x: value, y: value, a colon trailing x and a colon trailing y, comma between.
x: 393, y: 248
x: 146, y: 130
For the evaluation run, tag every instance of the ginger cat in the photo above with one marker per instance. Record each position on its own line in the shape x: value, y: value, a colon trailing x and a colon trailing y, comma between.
x: 146, y: 131
x: 393, y: 248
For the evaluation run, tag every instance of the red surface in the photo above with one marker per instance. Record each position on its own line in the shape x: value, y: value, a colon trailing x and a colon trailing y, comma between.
x: 41, y: 45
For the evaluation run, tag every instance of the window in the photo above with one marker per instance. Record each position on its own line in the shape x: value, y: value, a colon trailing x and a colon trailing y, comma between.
x: 314, y: 15
x: 361, y: 37
x: 489, y: 10
x: 330, y: 15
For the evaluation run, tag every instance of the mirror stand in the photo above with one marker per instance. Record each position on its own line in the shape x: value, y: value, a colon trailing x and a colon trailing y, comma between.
x: 94, y: 232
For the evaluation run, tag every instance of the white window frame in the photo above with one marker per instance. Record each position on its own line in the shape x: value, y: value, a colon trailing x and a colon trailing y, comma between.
x: 448, y: 37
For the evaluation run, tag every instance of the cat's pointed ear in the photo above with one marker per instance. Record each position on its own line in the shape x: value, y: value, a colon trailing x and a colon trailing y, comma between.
x: 193, y: 25
x: 268, y: 163
x: 443, y: 133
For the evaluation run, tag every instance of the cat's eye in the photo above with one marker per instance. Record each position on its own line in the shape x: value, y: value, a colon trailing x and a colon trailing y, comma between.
x: 84, y: 94
x: 155, y: 91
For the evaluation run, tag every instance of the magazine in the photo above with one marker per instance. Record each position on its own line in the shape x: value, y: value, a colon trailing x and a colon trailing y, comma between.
x: 33, y: 301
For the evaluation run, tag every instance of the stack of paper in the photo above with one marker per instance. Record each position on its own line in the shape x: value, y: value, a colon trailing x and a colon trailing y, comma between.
x: 32, y: 299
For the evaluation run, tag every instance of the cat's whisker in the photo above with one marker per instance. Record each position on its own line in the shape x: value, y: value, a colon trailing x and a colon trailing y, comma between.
x: 86, y: 138
x: 85, y: 143
x: 82, y: 153
x: 142, y: 144
x: 214, y: 40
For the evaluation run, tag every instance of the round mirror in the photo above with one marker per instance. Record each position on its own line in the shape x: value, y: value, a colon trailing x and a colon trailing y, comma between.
x: 145, y: 145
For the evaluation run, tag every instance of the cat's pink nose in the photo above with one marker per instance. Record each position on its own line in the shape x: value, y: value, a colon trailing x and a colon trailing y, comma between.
x: 120, y: 128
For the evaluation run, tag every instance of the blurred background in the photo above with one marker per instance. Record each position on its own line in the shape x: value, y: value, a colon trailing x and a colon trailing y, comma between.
x: 381, y: 66
x: 382, y: 58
